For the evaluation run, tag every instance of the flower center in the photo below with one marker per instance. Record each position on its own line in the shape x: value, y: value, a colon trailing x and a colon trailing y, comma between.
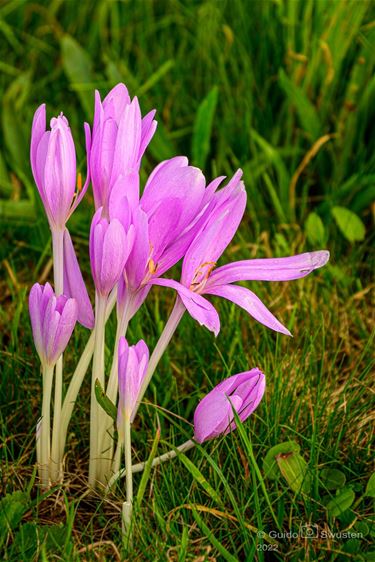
x: 201, y: 276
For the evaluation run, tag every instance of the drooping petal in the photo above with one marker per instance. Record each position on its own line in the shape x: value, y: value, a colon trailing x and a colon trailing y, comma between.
x: 197, y: 306
x: 247, y: 300
x: 74, y: 285
x: 269, y: 269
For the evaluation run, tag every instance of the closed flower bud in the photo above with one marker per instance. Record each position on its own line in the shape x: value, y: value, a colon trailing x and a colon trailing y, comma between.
x: 119, y: 138
x: 53, y: 162
x: 132, y: 367
x: 52, y: 320
x: 214, y: 414
x: 109, y: 249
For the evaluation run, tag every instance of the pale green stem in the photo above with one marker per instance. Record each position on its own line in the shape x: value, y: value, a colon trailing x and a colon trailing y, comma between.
x: 58, y: 273
x: 139, y: 467
x: 78, y: 376
x: 165, y: 338
x: 97, y: 373
x: 127, y: 506
x: 117, y: 460
x: 45, y: 426
x: 106, y: 429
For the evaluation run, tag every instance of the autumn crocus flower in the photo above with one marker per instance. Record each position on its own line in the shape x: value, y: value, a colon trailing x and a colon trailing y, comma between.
x: 168, y: 217
x: 132, y: 366
x: 52, y: 320
x: 201, y: 277
x: 119, y: 138
x: 214, y: 414
x: 53, y: 162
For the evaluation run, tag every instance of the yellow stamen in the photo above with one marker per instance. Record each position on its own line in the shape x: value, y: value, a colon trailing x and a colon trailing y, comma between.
x: 79, y: 182
x: 152, y: 266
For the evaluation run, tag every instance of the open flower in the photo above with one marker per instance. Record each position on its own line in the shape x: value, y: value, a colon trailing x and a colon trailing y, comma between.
x: 214, y: 414
x: 53, y: 162
x: 52, y: 321
x: 132, y: 367
x: 119, y: 138
x: 171, y: 211
x: 200, y: 276
x: 110, y: 245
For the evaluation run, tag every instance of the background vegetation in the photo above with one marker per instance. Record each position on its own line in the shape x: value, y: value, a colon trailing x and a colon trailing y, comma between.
x: 285, y: 90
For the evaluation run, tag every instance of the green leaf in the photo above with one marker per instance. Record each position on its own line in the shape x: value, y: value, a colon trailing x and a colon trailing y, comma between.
x: 78, y: 68
x: 295, y: 470
x: 15, y: 131
x: 341, y: 502
x: 17, y: 210
x: 148, y: 466
x: 332, y: 478
x: 12, y: 509
x: 25, y: 542
x: 198, y: 476
x: 314, y: 229
x: 307, y: 113
x: 107, y: 404
x: 203, y: 127
x: 270, y: 466
x: 211, y: 537
x: 349, y: 223
x: 370, y: 488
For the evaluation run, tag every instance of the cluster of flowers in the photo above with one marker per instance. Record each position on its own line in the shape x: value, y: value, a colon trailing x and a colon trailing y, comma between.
x: 134, y: 240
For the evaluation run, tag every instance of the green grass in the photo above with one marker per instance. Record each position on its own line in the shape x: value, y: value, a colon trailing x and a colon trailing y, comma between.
x: 252, y: 84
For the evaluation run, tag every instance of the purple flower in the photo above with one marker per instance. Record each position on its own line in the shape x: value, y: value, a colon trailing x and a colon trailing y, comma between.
x: 170, y: 213
x: 200, y: 276
x: 52, y: 320
x: 53, y: 162
x: 132, y: 367
x: 119, y: 138
x: 214, y: 413
x: 74, y: 285
x: 110, y: 245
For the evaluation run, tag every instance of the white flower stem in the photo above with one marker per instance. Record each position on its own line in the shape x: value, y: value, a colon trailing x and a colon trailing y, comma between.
x: 77, y: 378
x: 97, y: 373
x: 139, y: 467
x: 127, y: 506
x: 106, y: 429
x: 165, y: 338
x: 45, y: 426
x: 58, y: 272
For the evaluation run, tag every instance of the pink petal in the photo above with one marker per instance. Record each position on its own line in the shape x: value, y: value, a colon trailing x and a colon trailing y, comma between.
x: 269, y: 269
x: 247, y: 300
x: 197, y: 306
x: 74, y: 285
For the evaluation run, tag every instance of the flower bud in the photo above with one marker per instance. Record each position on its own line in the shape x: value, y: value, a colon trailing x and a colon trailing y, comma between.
x: 52, y: 321
x: 132, y: 367
x: 214, y: 414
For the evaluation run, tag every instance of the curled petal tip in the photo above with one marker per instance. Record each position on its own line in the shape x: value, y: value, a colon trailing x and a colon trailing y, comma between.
x: 320, y: 258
